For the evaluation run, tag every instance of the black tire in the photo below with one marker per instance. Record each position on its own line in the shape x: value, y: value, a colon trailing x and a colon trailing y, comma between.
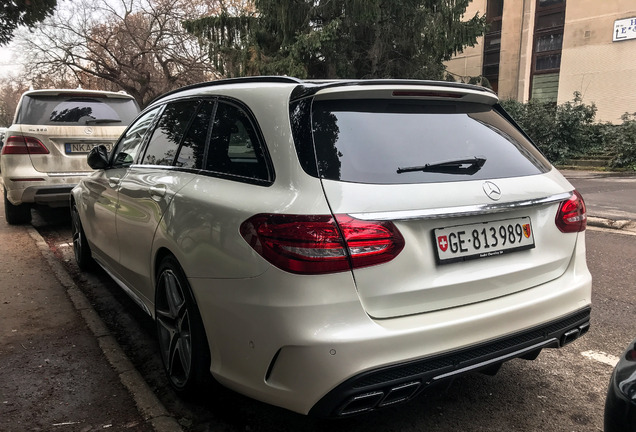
x: 82, y: 250
x: 182, y: 340
x: 16, y: 214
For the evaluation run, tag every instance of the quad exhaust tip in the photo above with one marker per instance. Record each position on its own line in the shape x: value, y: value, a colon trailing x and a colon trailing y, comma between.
x: 573, y: 334
x: 379, y: 399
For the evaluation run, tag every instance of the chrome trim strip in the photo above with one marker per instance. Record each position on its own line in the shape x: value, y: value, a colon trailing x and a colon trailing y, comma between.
x: 69, y: 174
x: 471, y: 210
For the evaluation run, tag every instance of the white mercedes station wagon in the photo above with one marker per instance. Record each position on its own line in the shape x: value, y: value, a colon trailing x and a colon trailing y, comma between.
x: 335, y: 247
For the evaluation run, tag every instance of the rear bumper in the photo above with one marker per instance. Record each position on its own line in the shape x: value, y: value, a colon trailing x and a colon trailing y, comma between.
x: 324, y: 355
x: 398, y: 383
x: 53, y: 191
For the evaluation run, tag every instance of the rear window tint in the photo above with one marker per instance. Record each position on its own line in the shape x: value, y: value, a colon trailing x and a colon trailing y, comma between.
x: 75, y: 110
x: 385, y: 142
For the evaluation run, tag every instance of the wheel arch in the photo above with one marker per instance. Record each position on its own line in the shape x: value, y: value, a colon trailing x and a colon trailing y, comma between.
x: 160, y: 255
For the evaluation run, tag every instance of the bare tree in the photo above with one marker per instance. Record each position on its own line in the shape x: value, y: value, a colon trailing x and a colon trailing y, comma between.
x: 13, y: 85
x: 136, y: 46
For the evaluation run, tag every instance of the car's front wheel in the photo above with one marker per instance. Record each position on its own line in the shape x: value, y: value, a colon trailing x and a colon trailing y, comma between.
x: 16, y: 214
x: 182, y: 341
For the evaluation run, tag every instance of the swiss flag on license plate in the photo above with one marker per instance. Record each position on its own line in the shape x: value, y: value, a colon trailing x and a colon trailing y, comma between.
x: 442, y: 242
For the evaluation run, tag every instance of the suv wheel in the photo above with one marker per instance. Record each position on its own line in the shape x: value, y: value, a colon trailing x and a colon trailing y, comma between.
x: 182, y: 341
x: 16, y: 214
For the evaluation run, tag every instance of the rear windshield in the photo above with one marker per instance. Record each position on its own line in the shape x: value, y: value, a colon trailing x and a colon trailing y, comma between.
x: 387, y: 142
x: 73, y: 110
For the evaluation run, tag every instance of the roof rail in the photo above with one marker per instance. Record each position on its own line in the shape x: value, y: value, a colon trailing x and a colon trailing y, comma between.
x: 240, y: 80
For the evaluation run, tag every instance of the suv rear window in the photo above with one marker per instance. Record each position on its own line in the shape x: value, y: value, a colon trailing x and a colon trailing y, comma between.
x: 387, y: 142
x: 76, y: 110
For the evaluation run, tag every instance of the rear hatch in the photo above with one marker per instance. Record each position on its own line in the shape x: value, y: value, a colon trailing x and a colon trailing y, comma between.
x: 69, y: 123
x: 473, y: 199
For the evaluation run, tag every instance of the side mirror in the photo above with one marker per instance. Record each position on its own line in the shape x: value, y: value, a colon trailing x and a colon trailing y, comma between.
x: 98, y: 157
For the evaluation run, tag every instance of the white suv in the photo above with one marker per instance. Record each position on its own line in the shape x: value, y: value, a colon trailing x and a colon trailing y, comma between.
x: 44, y: 152
x: 340, y: 246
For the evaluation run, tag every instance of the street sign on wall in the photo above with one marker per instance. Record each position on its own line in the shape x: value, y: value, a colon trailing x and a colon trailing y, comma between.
x: 624, y: 29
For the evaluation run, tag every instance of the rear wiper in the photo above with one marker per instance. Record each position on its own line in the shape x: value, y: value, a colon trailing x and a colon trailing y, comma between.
x: 466, y: 166
x: 103, y: 120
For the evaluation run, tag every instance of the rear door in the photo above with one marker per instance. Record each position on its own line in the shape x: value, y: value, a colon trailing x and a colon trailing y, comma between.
x: 149, y: 186
x: 473, y: 199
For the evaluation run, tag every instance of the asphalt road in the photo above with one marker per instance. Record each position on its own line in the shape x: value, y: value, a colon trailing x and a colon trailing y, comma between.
x: 563, y: 390
x: 607, y: 195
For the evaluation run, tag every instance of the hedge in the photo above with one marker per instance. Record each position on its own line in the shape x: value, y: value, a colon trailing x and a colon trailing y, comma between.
x: 569, y: 130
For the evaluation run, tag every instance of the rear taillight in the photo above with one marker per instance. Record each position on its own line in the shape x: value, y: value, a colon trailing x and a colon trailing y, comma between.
x: 321, y: 244
x: 572, y: 216
x: 16, y: 144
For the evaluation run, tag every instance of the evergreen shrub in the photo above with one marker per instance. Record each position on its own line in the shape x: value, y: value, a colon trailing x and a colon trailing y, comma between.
x: 568, y: 130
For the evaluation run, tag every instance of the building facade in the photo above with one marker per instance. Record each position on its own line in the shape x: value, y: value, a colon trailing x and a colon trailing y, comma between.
x: 550, y: 49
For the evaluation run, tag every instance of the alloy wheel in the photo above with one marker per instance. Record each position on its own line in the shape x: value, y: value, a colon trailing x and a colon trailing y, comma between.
x: 174, y: 328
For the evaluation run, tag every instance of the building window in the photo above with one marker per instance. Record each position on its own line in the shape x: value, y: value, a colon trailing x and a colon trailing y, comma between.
x: 546, y: 53
x: 492, y: 42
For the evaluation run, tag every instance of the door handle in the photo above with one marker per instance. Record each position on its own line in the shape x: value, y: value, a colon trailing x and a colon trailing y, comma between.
x: 114, y: 181
x: 157, y: 192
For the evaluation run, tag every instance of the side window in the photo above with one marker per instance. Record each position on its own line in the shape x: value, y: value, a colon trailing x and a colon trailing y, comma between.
x: 130, y: 144
x: 193, y: 145
x: 234, y: 146
x: 164, y: 143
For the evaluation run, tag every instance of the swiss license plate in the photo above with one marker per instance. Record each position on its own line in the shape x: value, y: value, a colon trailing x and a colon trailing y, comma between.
x: 483, y: 240
x: 75, y: 148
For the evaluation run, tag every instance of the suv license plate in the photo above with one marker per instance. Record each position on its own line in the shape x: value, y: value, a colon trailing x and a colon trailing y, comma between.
x: 75, y: 148
x: 483, y: 240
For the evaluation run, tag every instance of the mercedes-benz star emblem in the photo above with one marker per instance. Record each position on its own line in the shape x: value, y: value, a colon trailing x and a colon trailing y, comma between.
x: 492, y: 191
x: 88, y: 130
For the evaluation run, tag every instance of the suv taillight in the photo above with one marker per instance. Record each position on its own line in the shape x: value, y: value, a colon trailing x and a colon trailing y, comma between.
x: 321, y: 244
x: 17, y: 144
x: 572, y: 216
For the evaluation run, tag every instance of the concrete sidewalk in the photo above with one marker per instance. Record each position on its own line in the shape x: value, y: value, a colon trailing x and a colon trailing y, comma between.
x: 60, y: 367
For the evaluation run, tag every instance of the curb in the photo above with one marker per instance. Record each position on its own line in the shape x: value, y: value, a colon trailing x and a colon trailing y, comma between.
x: 151, y: 409
x: 627, y: 226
